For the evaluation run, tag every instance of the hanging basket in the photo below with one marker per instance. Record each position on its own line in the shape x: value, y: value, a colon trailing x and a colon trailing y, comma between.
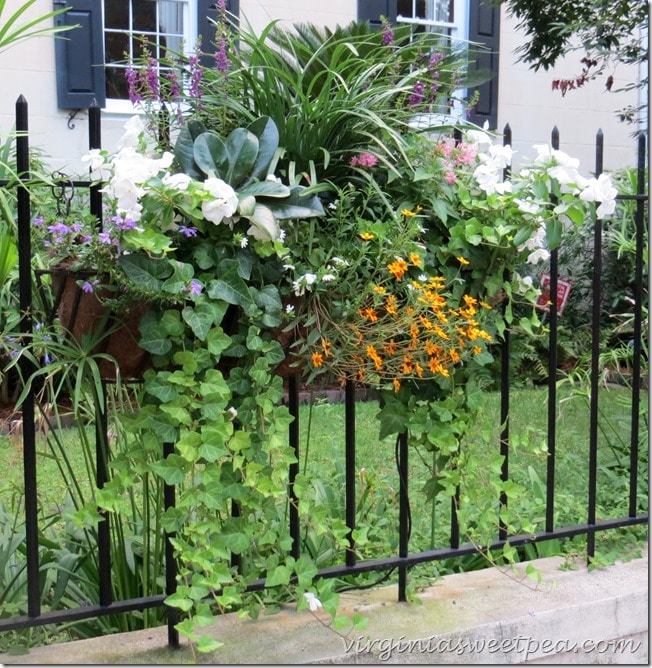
x: 116, y: 330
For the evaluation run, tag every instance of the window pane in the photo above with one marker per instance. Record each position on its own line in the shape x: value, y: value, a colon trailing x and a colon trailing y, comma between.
x: 116, y: 83
x: 116, y: 14
x: 144, y: 15
x: 116, y: 45
x: 170, y: 17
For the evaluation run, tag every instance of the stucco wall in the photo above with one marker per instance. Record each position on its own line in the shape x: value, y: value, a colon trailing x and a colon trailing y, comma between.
x: 526, y: 99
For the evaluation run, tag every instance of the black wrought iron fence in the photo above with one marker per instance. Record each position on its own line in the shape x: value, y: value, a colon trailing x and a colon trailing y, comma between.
x: 404, y: 558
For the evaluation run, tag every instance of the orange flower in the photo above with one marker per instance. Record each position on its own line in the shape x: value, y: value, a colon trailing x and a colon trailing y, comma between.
x: 326, y: 347
x: 415, y: 259
x: 407, y: 213
x: 397, y: 384
x: 367, y: 236
x: 369, y: 314
x: 391, y: 347
x: 317, y: 360
x: 462, y: 260
x: 398, y: 269
x: 391, y: 305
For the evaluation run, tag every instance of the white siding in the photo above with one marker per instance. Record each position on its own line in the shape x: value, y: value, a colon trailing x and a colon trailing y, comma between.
x: 530, y: 106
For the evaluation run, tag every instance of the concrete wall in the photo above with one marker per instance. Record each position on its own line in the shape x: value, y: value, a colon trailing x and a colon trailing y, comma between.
x: 526, y: 100
x: 496, y: 616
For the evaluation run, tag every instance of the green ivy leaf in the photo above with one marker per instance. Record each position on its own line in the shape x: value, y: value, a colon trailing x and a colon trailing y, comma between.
x: 279, y: 576
x: 172, y: 469
x: 230, y: 287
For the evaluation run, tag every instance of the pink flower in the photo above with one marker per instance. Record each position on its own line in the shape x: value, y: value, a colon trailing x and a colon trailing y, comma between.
x: 450, y: 177
x: 364, y: 160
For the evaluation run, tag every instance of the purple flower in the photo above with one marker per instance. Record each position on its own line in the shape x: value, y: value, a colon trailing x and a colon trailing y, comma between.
x: 151, y: 78
x: 58, y: 229
x: 132, y: 80
x: 388, y: 33
x: 196, y: 74
x: 124, y: 223
x: 89, y: 286
x: 105, y: 238
x: 194, y: 288
x: 221, y: 56
x: 38, y: 221
x: 175, y: 92
x: 416, y: 96
x: 188, y: 231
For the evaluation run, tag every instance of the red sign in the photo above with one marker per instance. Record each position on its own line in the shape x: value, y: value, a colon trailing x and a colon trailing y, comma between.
x: 563, y: 290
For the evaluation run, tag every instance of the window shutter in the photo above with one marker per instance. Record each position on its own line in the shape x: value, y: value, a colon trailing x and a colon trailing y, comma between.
x: 484, y: 28
x: 372, y: 10
x: 80, y: 55
x: 207, y: 9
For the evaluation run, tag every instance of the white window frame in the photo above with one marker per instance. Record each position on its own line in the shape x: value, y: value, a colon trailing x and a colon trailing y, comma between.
x: 122, y: 107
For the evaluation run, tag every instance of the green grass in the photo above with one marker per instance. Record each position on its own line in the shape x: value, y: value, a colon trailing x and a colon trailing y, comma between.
x: 322, y: 457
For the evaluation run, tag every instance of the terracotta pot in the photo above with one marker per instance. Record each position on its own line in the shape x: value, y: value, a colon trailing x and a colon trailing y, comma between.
x: 84, y: 313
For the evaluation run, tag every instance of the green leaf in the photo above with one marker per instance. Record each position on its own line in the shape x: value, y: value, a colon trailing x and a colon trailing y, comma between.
x: 154, y: 338
x: 553, y: 232
x: 172, y: 469
x: 179, y: 600
x: 267, y: 133
x: 200, y: 319
x: 264, y: 188
x: 263, y: 224
x: 210, y: 155
x: 279, y: 576
x: 242, y: 148
x: 145, y: 272
x: 184, y: 148
x: 236, y: 542
x: 206, y: 644
x: 230, y: 287
x: 217, y: 341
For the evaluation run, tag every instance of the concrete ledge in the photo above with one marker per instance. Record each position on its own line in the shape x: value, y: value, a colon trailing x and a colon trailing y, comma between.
x: 486, y: 617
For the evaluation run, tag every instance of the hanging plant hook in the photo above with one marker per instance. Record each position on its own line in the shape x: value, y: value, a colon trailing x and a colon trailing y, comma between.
x: 63, y: 191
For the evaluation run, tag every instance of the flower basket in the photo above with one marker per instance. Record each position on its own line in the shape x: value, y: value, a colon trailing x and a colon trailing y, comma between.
x: 87, y: 315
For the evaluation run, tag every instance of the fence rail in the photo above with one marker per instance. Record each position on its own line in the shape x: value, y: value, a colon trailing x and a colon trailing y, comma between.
x: 404, y: 559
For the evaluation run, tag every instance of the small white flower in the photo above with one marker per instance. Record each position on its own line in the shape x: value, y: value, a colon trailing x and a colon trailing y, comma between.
x: 313, y: 602
x: 327, y: 278
x: 339, y: 261
x: 231, y: 414
x: 244, y: 242
x: 289, y: 267
x: 289, y: 308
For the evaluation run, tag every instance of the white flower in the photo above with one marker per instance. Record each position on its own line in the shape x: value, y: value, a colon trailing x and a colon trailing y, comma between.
x: 539, y: 255
x: 134, y: 127
x: 524, y: 283
x: 313, y: 602
x: 527, y: 206
x: 601, y: 190
x: 244, y: 242
x: 501, y: 156
x: 289, y: 308
x: 98, y: 168
x: 339, y: 261
x: 327, y: 278
x: 179, y: 181
x: 299, y: 286
x: 224, y: 204
x: 481, y: 139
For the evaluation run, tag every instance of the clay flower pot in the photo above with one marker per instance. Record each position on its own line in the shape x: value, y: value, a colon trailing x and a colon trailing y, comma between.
x: 85, y: 314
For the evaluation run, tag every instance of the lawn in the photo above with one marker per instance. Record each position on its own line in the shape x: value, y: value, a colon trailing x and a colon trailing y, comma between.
x: 322, y: 460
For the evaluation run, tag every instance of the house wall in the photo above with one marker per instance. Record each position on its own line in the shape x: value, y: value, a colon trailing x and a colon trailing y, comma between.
x: 526, y: 100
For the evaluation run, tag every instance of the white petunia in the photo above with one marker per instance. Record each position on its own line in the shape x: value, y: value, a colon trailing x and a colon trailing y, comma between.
x: 601, y: 190
x: 224, y: 204
x: 179, y: 181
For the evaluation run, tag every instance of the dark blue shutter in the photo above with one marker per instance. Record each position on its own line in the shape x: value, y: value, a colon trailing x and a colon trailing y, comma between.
x: 372, y: 10
x: 484, y: 28
x: 80, y: 55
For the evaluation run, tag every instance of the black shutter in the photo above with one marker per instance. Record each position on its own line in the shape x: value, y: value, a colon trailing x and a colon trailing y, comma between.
x: 80, y: 55
x: 484, y: 27
x: 207, y: 9
x: 372, y: 10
